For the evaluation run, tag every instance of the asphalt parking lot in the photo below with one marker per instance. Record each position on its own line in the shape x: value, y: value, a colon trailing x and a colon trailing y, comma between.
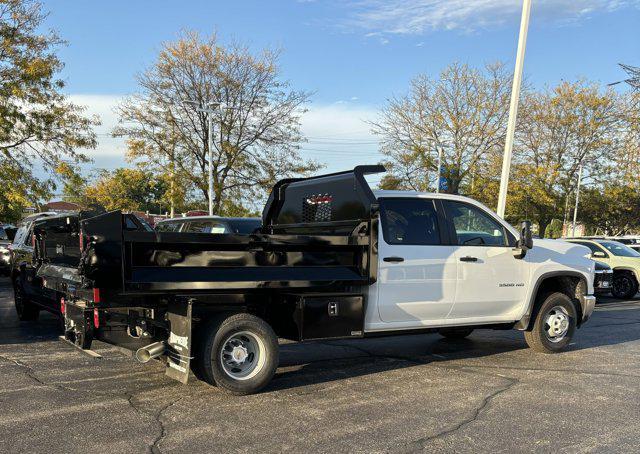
x: 399, y: 394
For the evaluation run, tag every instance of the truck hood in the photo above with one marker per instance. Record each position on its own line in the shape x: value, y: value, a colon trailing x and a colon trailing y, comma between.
x: 562, y: 252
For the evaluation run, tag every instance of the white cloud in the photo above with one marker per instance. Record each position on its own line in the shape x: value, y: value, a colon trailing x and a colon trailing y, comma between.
x: 338, y: 133
x: 421, y: 16
x: 110, y: 151
x: 339, y: 136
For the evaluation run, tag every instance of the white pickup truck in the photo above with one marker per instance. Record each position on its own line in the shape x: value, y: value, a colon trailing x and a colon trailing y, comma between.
x: 332, y: 259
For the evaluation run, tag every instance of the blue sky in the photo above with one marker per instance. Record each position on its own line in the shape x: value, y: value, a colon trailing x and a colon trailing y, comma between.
x: 351, y: 54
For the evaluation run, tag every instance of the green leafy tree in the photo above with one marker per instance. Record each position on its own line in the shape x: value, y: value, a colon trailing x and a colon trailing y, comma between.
x: 38, y: 125
x: 127, y: 189
x: 554, y: 229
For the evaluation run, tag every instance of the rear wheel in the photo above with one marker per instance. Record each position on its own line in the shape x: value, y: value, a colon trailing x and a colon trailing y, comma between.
x: 624, y: 286
x: 554, y: 325
x: 455, y: 333
x: 239, y: 354
x: 26, y: 310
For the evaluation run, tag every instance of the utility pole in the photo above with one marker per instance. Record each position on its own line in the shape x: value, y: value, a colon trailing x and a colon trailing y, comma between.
x: 439, y: 169
x: 575, y: 209
x: 210, y: 108
x: 513, y: 108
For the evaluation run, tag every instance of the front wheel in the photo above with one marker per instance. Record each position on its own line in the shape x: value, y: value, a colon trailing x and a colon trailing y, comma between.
x: 624, y: 286
x: 554, y: 324
x: 239, y: 354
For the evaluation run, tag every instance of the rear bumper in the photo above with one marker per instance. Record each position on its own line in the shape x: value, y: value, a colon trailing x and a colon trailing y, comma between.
x: 588, y: 305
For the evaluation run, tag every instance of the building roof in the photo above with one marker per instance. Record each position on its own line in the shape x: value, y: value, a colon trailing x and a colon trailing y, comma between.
x: 61, y: 206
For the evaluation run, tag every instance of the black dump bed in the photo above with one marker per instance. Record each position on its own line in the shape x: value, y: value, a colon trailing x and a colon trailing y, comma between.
x: 316, y: 232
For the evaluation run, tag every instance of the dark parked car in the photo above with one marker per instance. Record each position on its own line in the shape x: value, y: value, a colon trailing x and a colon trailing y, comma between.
x: 7, y: 232
x: 209, y: 224
x: 30, y: 295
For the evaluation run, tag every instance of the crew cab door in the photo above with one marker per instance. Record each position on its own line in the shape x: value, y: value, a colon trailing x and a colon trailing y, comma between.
x: 417, y: 270
x: 491, y: 281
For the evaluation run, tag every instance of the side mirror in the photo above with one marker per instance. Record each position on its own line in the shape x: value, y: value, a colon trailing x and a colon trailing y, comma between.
x: 525, y: 242
x: 599, y: 255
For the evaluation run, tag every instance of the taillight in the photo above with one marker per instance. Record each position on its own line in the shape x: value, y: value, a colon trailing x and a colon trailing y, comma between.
x: 63, y: 306
x: 96, y: 295
x: 96, y: 317
x: 81, y: 236
x: 33, y: 240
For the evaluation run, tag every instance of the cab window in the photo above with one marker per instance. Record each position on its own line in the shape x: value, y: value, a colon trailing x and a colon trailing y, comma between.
x: 409, y: 222
x: 474, y: 227
x: 206, y: 227
x: 168, y: 227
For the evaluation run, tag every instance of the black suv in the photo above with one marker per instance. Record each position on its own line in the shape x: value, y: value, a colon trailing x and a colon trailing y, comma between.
x: 7, y: 232
x: 29, y: 294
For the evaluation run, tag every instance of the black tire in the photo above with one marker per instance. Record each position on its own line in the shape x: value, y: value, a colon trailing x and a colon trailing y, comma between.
x: 556, y: 308
x: 624, y: 286
x: 253, y: 341
x: 26, y: 310
x: 455, y: 333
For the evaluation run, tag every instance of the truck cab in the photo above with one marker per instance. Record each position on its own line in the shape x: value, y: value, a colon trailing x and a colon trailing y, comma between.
x: 447, y: 260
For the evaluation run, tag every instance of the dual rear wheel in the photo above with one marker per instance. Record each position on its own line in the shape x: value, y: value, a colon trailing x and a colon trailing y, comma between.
x: 238, y: 353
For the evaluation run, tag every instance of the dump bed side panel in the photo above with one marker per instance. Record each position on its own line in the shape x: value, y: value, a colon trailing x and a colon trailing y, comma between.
x: 166, y: 262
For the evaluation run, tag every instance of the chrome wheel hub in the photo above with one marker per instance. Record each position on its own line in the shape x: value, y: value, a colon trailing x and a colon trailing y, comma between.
x: 239, y: 354
x: 242, y: 355
x: 556, y: 324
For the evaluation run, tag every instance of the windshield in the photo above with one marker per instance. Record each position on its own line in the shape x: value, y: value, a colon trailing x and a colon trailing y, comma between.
x: 619, y: 249
x: 244, y: 226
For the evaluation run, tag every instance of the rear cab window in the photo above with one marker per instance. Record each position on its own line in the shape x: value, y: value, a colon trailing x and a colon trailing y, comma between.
x: 410, y: 222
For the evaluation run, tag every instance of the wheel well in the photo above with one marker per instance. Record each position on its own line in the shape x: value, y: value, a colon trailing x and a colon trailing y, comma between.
x: 572, y: 286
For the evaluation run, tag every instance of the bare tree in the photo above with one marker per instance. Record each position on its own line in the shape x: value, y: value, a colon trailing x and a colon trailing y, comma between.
x: 256, y: 139
x: 462, y: 115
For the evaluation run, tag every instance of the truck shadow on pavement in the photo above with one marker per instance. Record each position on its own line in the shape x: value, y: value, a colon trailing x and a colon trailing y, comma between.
x: 328, y: 361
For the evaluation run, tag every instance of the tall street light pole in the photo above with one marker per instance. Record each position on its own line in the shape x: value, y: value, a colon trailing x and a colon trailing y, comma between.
x: 210, y: 108
x: 439, y: 169
x: 575, y: 209
x: 513, y: 108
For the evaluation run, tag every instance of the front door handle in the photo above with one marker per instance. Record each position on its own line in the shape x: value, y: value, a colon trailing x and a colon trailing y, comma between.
x: 393, y: 259
x: 468, y: 259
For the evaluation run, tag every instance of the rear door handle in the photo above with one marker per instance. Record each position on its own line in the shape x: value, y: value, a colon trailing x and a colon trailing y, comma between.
x: 468, y: 259
x: 393, y: 259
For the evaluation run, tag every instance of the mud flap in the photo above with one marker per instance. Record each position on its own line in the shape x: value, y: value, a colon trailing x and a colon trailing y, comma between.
x: 179, y: 342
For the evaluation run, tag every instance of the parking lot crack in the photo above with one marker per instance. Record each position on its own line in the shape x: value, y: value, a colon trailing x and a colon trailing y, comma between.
x: 30, y: 373
x: 422, y: 443
x: 157, y: 417
x: 155, y: 447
